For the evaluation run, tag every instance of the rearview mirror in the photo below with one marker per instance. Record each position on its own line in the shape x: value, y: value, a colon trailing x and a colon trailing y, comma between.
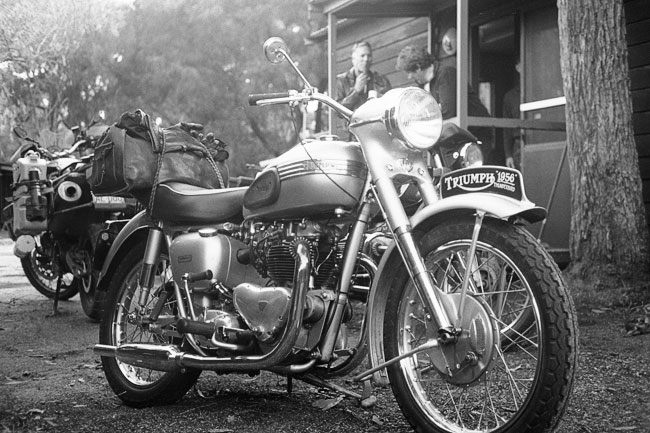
x: 275, y: 50
x: 20, y: 132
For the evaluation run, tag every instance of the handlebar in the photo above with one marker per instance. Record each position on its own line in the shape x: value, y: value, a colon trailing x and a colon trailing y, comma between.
x: 45, y: 152
x: 293, y: 96
x: 255, y: 97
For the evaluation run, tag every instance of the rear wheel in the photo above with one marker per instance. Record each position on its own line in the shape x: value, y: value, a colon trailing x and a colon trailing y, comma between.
x: 92, y: 301
x: 122, y: 323
x: 512, y: 367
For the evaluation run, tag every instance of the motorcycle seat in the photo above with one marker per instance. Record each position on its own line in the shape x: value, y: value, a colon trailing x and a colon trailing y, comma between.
x: 183, y: 203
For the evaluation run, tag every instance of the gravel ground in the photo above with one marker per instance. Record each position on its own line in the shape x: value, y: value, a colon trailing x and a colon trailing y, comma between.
x: 51, y: 381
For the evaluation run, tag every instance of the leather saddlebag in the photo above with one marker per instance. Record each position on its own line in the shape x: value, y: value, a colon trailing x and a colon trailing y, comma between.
x: 127, y: 157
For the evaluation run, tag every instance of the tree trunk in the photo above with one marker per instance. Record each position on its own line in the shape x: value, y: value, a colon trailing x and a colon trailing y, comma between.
x: 609, y: 233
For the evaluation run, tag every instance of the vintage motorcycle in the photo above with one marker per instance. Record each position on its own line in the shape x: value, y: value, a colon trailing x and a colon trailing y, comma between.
x: 61, y: 230
x: 468, y: 315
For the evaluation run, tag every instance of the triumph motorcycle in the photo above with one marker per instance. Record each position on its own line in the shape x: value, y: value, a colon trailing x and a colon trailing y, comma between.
x: 468, y: 317
x: 61, y: 230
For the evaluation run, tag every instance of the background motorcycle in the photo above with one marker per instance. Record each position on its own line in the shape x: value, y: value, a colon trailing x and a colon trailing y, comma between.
x: 60, y: 228
x: 466, y: 311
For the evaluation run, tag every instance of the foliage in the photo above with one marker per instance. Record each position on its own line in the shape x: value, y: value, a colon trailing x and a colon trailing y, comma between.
x: 178, y: 61
x: 45, y: 62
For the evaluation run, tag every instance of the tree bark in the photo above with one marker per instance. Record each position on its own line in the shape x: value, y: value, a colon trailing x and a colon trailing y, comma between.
x: 609, y: 233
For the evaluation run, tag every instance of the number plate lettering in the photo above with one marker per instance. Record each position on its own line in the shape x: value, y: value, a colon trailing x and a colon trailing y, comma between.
x: 490, y: 179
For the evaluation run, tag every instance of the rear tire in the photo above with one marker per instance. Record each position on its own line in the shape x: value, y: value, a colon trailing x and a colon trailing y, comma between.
x: 136, y: 386
x: 92, y: 300
x: 512, y: 368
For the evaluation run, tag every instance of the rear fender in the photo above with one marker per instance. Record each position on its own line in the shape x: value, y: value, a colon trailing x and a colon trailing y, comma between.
x: 134, y: 230
x: 425, y: 219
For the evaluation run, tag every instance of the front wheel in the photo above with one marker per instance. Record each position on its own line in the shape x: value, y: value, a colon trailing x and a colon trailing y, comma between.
x: 123, y: 322
x: 511, y: 368
x: 41, y: 267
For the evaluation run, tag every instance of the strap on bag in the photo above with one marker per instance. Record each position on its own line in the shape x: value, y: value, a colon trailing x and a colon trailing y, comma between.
x: 157, y: 145
x: 160, y: 147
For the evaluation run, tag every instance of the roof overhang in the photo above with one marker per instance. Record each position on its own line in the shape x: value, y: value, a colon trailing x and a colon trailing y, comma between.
x: 380, y: 8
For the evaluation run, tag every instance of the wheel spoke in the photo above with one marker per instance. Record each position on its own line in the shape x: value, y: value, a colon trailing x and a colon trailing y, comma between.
x: 490, y: 396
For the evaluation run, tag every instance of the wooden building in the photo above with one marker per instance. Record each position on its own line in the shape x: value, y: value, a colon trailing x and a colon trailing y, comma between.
x: 491, y: 35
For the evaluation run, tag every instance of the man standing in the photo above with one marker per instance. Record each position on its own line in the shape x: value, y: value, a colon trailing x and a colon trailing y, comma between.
x: 358, y: 84
x: 419, y: 66
x: 512, y: 137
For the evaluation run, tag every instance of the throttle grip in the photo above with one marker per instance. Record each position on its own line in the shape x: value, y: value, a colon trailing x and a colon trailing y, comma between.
x: 252, y: 99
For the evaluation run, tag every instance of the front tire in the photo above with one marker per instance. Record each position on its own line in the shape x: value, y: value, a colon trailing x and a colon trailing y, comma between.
x: 121, y: 323
x: 512, y: 368
x: 40, y: 268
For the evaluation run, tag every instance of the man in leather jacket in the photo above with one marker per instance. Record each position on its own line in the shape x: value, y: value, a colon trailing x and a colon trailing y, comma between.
x: 359, y: 83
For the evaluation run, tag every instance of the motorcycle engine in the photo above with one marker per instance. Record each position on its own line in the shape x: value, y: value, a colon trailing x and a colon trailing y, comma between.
x: 266, y: 309
x: 241, y: 308
x: 273, y: 247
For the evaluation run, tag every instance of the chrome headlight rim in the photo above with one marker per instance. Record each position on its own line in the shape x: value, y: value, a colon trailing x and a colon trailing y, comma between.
x: 415, y: 119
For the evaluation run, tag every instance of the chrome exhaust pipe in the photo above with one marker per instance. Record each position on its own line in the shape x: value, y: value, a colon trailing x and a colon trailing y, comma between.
x: 171, y: 358
x: 151, y: 356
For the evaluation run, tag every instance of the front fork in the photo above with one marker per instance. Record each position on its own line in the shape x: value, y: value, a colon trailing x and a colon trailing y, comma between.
x: 153, y: 248
x: 406, y: 245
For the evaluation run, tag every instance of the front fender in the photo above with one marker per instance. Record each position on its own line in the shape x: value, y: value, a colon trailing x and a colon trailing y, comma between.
x: 498, y: 206
x: 132, y: 231
x: 425, y: 219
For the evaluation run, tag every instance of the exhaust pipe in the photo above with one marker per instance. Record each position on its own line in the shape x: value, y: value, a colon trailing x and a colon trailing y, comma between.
x: 153, y: 357
x: 171, y: 358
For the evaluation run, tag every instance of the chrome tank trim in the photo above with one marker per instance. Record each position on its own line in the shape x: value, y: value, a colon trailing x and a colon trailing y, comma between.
x: 323, y: 166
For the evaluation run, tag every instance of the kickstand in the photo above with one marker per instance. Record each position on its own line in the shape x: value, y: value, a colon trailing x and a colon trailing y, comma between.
x: 367, y: 399
x: 55, y: 307
x: 289, y: 384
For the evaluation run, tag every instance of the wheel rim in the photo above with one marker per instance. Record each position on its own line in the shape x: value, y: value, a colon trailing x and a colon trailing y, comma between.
x: 490, y: 395
x: 128, y: 327
x: 41, y: 260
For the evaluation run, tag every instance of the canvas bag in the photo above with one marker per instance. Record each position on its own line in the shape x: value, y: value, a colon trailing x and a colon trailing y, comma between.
x: 131, y: 154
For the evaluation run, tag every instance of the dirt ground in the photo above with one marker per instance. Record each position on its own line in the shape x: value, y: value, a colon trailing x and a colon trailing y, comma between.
x: 51, y: 381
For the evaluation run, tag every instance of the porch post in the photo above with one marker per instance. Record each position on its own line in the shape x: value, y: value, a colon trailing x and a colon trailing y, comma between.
x: 331, y: 67
x: 462, y: 60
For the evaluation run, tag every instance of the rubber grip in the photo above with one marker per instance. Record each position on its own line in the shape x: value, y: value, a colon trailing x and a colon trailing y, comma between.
x: 252, y: 99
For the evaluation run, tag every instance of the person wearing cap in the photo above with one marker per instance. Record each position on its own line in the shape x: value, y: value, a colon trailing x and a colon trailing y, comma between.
x: 359, y: 83
x: 440, y: 80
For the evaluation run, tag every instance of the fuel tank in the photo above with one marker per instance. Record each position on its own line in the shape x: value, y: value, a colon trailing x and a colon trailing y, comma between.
x: 314, y: 178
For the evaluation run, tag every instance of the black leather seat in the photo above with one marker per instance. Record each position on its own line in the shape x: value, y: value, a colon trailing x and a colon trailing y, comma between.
x: 183, y: 203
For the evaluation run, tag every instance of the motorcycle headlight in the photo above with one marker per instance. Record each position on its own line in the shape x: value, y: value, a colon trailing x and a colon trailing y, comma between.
x: 415, y: 119
x: 472, y: 155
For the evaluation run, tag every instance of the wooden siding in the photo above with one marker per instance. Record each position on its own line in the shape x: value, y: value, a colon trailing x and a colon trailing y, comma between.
x: 387, y: 36
x: 637, y: 17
